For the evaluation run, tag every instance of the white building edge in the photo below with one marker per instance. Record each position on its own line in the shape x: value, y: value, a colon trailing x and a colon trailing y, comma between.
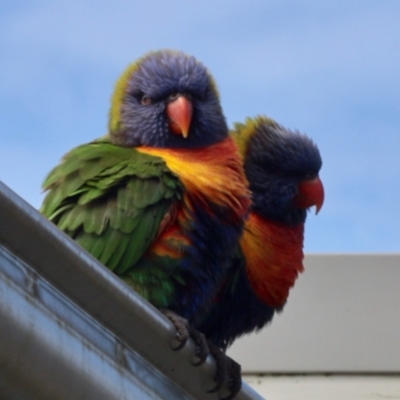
x: 342, y: 317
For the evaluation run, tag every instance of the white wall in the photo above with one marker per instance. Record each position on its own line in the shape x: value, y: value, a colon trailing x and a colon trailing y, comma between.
x: 343, y: 315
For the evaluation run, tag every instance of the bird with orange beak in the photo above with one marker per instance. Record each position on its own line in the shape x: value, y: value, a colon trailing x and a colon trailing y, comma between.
x: 161, y: 199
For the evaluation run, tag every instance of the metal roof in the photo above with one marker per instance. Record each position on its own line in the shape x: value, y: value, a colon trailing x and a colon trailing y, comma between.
x: 71, y: 329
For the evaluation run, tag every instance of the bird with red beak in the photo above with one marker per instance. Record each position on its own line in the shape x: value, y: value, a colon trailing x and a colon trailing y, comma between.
x: 283, y: 171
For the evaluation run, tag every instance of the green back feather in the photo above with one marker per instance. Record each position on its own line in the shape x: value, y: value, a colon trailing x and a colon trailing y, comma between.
x: 111, y: 200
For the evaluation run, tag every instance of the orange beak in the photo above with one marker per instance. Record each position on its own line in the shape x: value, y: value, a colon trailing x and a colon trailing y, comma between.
x: 179, y: 112
x: 311, y: 193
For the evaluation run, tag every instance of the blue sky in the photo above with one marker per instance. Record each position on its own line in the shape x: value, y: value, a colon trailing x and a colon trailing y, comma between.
x: 328, y: 69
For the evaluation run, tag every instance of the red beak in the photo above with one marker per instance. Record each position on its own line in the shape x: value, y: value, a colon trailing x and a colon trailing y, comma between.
x: 179, y: 112
x: 311, y: 193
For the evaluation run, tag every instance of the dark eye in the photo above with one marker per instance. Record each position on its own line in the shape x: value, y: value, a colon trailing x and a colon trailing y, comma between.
x: 310, y: 176
x: 173, y: 96
x: 145, y: 100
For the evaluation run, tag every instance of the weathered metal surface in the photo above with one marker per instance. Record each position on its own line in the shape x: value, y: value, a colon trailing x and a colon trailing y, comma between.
x: 50, y: 349
x: 70, y: 329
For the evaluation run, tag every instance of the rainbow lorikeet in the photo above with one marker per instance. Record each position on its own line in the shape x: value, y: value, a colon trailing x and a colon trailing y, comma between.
x: 282, y: 168
x: 161, y: 198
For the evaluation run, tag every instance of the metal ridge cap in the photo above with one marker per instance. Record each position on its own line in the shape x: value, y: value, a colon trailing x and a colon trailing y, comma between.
x: 41, y: 327
x: 85, y: 281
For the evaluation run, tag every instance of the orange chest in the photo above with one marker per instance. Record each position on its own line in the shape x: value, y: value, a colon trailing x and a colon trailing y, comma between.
x: 212, y: 176
x: 274, y: 258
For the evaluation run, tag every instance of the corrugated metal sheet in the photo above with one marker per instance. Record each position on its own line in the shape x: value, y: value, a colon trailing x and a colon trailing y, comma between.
x: 70, y: 329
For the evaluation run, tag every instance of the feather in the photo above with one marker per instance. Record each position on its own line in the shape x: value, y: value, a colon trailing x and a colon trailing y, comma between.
x: 142, y: 236
x: 72, y: 220
x: 86, y: 240
x: 90, y: 195
x: 95, y: 218
x: 113, y: 240
x: 115, y: 259
x: 70, y: 184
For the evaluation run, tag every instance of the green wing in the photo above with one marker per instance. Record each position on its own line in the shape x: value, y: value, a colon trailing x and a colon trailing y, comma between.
x: 111, y: 200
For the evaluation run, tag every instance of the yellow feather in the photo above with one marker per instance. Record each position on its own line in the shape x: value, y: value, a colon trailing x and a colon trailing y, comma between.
x: 213, y: 174
x: 244, y: 132
x: 118, y: 97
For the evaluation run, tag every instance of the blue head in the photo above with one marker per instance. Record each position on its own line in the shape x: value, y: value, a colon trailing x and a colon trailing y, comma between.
x: 282, y: 168
x: 167, y: 99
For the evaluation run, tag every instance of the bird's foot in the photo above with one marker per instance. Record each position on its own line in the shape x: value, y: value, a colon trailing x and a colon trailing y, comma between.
x: 183, y: 332
x: 227, y: 369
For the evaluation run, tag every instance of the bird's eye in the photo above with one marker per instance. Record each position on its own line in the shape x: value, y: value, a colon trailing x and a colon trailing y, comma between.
x: 173, y: 96
x: 145, y: 100
x: 310, y: 176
